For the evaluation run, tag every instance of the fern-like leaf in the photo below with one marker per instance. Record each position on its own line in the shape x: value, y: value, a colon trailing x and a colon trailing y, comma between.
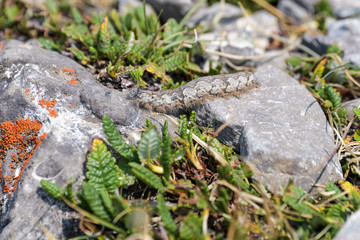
x: 108, y: 203
x: 165, y: 133
x: 165, y: 159
x: 102, y: 170
x: 115, y: 139
x: 147, y: 176
x: 53, y: 189
x: 104, y: 41
x: 166, y: 216
x: 333, y: 96
x: 94, y: 201
x: 69, y: 192
x: 175, y: 61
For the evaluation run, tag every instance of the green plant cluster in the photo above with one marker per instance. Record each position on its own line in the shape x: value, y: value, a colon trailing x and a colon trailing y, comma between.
x: 132, y: 44
x: 192, y: 199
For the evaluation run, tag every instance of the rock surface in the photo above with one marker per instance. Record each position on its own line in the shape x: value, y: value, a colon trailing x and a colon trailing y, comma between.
x: 273, y: 130
x: 345, y: 33
x: 303, y: 10
x: 350, y: 230
x: 39, y: 85
x: 278, y: 130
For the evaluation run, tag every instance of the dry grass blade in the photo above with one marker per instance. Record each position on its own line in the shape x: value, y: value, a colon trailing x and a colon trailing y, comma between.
x: 271, y: 9
x: 251, y: 199
x: 340, y: 62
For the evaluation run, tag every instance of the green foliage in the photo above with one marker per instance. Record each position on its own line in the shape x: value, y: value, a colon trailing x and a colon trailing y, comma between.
x: 53, y: 189
x: 127, y: 43
x: 294, y: 200
x: 165, y: 159
x: 149, y: 145
x: 166, y: 216
x: 147, y: 176
x: 94, y: 199
x: 116, y: 140
x: 102, y: 169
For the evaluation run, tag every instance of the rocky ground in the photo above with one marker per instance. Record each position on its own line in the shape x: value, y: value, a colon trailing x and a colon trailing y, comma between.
x: 272, y: 120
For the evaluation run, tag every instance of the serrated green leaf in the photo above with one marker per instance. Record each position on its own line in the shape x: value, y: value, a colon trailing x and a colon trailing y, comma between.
x: 175, y: 62
x: 165, y: 130
x: 166, y: 216
x: 333, y: 96
x: 115, y: 139
x: 53, y: 189
x: 108, y: 203
x: 165, y: 159
x: 69, y: 192
x: 104, y: 40
x: 149, y: 144
x: 102, y: 168
x: 147, y: 176
x: 94, y: 200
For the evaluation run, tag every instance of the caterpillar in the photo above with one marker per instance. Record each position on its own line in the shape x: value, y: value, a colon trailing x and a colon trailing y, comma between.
x: 195, y: 91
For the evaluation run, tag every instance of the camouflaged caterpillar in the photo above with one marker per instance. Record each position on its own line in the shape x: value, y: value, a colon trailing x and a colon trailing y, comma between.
x: 195, y: 91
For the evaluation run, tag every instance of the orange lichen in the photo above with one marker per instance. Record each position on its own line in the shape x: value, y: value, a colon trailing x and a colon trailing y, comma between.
x: 1, y: 46
x: 27, y: 90
x: 75, y: 107
x: 49, y: 106
x: 52, y: 112
x: 73, y: 81
x: 20, y: 140
x: 38, y: 91
x: 69, y: 105
x: 72, y: 71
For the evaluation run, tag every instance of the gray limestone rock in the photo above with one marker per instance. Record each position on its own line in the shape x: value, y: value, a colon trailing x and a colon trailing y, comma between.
x: 172, y: 9
x: 296, y: 10
x: 350, y: 230
x: 302, y: 10
x: 345, y: 33
x: 225, y: 14
x: 345, y: 8
x: 279, y: 131
x: 66, y: 99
